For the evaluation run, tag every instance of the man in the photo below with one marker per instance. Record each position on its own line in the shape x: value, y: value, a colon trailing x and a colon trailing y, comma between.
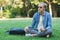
x: 41, y: 23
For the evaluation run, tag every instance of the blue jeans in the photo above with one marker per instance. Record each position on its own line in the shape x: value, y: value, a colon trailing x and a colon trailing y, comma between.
x: 43, y: 33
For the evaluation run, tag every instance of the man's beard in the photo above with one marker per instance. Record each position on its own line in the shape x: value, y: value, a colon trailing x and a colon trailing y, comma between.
x: 41, y: 12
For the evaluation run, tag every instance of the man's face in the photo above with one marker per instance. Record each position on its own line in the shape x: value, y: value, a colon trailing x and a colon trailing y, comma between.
x: 41, y: 8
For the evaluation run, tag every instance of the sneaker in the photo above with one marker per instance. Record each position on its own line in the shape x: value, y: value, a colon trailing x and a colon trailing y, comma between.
x: 48, y: 36
x: 28, y: 34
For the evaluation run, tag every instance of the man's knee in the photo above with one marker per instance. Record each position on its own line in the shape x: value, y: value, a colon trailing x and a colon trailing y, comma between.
x: 26, y: 29
x: 49, y: 31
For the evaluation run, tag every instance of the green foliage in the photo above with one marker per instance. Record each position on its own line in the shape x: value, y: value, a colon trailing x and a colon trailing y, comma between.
x: 18, y: 12
x: 21, y: 7
x: 33, y: 10
x: 23, y: 12
x: 6, y: 13
x: 15, y: 12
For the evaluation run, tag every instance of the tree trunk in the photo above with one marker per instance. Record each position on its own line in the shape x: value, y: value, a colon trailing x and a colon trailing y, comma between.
x: 1, y: 8
x: 1, y: 11
x: 26, y: 8
x: 50, y: 9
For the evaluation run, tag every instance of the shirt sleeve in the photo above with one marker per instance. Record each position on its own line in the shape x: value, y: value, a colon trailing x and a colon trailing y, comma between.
x: 33, y: 22
x: 49, y: 22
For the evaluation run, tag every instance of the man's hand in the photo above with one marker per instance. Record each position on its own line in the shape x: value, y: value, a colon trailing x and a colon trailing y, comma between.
x: 41, y: 29
x: 26, y: 29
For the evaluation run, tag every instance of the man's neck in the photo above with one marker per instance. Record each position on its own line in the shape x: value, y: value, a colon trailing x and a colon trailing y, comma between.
x: 41, y: 13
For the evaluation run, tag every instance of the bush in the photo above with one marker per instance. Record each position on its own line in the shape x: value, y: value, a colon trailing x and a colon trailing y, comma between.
x: 32, y: 11
x: 23, y: 12
x: 14, y: 12
x: 6, y: 13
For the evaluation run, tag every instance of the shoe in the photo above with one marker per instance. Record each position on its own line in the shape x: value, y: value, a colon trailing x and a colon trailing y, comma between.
x: 28, y: 34
x: 48, y: 36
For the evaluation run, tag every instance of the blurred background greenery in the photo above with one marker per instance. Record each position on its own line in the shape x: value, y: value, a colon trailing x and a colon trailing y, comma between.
x: 26, y: 8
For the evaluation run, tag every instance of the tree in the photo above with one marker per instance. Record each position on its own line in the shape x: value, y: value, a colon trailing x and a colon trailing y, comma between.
x: 2, y: 3
x: 27, y: 5
x: 50, y: 9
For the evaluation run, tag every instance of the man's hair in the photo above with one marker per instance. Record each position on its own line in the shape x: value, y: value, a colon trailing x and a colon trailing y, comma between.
x: 45, y: 5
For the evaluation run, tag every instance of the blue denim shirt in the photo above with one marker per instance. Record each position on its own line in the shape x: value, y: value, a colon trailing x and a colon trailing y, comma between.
x: 47, y: 24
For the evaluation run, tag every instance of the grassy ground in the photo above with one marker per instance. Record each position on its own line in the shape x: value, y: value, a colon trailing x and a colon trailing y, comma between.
x: 7, y: 24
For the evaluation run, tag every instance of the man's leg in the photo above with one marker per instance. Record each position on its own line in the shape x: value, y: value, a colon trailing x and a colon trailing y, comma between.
x: 47, y: 32
x: 32, y: 31
x: 36, y: 33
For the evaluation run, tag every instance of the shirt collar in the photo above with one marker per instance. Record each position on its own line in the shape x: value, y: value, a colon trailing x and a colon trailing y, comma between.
x: 43, y: 13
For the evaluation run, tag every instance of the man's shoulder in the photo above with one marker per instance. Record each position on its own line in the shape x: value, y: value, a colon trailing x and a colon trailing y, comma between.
x: 47, y: 13
x: 35, y: 14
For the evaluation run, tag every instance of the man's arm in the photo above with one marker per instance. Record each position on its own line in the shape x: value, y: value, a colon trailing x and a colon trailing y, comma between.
x: 33, y: 22
x: 49, y: 22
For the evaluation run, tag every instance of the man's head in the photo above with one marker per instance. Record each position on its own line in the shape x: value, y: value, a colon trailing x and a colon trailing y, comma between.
x: 41, y: 7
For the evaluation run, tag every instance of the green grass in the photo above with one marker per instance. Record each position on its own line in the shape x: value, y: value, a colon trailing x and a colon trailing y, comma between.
x: 7, y: 24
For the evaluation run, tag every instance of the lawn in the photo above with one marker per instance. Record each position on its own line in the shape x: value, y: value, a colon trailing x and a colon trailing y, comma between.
x: 7, y: 24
